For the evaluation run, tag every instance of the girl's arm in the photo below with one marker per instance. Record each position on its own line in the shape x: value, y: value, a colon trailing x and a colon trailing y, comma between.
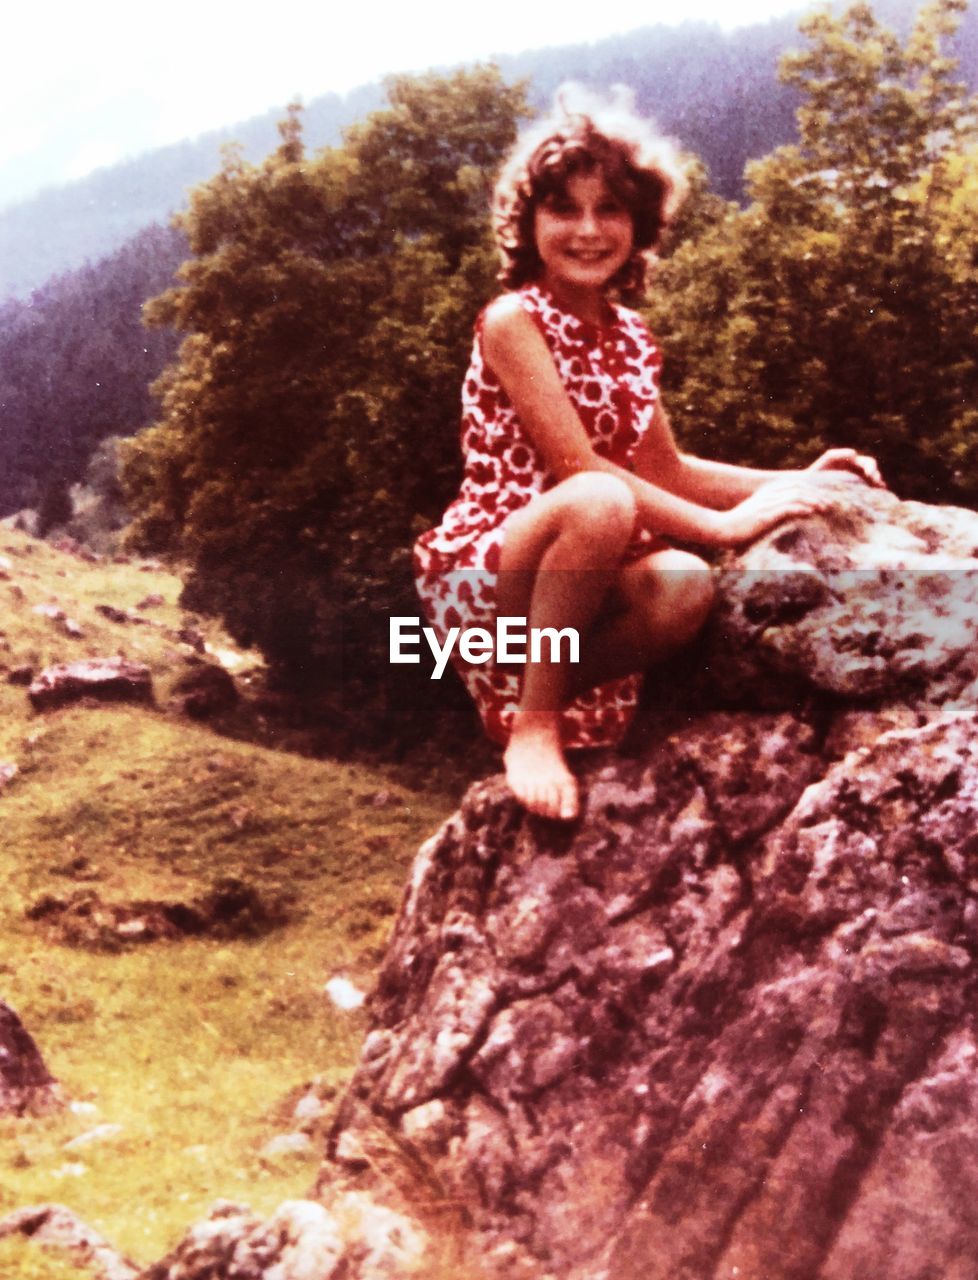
x: 719, y: 485
x: 520, y: 358
x: 722, y: 484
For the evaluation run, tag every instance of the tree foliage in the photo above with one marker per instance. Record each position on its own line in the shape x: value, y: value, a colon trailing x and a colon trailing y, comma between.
x: 841, y: 306
x: 309, y: 428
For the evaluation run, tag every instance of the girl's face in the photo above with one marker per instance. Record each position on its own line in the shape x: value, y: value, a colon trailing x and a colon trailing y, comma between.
x: 584, y: 236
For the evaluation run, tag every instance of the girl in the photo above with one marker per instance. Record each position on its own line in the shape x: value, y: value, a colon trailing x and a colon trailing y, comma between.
x: 574, y: 487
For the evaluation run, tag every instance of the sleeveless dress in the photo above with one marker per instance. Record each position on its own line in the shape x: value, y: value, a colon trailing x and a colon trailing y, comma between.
x: 611, y: 374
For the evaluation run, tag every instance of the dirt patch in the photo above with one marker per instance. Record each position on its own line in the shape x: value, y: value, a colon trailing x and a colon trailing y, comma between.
x: 231, y: 909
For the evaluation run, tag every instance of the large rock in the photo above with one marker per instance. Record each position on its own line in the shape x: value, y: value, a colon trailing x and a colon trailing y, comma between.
x: 301, y: 1241
x: 876, y: 606
x: 205, y: 691
x: 724, y: 1025
x: 106, y: 679
x: 25, y: 1082
x: 57, y: 1228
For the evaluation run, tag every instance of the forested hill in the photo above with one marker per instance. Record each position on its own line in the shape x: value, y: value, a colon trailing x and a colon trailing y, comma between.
x: 62, y: 227
x: 716, y: 91
x: 76, y: 364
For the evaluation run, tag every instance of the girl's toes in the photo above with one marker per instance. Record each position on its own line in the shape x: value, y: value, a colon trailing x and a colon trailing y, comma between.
x: 555, y: 803
x: 546, y: 802
x: 567, y: 801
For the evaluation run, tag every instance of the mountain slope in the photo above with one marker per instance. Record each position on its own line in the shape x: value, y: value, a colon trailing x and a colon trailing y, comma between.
x: 715, y: 90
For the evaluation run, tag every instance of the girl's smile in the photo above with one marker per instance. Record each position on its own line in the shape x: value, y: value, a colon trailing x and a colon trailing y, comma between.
x: 584, y: 236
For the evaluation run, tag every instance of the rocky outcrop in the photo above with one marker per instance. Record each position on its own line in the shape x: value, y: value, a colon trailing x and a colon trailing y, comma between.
x: 301, y: 1241
x: 106, y: 679
x: 25, y: 1082
x: 724, y: 1025
x: 205, y: 690
x: 57, y: 1228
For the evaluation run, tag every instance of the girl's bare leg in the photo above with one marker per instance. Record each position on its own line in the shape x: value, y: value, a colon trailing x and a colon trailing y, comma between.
x: 667, y: 596
x: 560, y: 557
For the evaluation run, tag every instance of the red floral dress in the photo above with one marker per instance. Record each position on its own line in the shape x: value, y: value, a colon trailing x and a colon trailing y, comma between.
x: 612, y: 377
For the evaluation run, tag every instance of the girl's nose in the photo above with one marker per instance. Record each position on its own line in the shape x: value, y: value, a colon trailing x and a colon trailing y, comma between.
x: 588, y: 223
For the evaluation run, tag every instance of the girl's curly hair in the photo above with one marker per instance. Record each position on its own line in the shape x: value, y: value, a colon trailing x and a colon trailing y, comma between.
x: 585, y: 133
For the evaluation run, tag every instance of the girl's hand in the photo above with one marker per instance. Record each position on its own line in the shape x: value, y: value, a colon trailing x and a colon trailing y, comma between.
x: 860, y: 464
x: 771, y: 505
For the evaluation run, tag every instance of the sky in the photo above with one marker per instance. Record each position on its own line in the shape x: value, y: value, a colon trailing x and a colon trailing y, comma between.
x: 87, y: 85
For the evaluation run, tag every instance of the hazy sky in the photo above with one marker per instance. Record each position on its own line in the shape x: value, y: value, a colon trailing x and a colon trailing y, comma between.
x: 86, y: 84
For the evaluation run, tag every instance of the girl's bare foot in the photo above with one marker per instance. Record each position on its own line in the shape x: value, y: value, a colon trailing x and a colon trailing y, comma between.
x: 536, y: 770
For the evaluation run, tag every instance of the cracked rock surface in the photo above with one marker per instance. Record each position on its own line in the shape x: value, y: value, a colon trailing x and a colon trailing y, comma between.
x: 724, y: 1025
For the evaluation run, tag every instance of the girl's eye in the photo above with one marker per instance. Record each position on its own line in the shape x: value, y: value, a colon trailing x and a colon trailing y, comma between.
x: 611, y: 209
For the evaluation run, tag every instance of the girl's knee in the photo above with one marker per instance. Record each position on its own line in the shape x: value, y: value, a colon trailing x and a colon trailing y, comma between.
x: 599, y: 506
x: 591, y: 515
x: 690, y: 580
x: 675, y: 584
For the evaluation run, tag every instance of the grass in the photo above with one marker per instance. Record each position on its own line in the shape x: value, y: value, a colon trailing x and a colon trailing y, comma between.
x: 194, y: 1048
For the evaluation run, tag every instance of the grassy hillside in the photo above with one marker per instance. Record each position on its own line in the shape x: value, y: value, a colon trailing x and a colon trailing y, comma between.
x: 193, y: 1047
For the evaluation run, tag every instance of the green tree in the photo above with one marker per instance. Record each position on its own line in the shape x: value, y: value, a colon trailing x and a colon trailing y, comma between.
x: 309, y: 428
x: 830, y: 311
